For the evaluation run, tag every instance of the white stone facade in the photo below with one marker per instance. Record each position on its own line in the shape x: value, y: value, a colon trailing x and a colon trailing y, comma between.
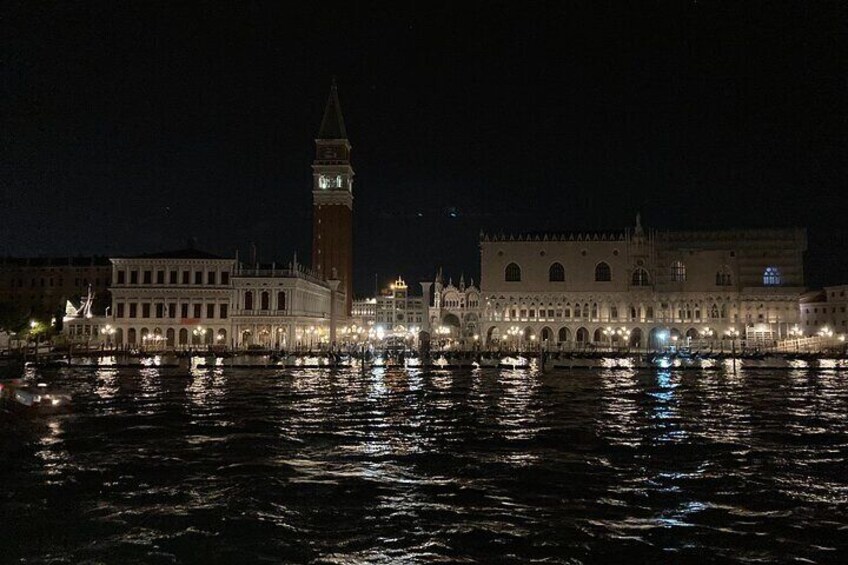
x: 633, y: 287
x: 189, y: 299
x: 456, y: 309
x: 825, y: 309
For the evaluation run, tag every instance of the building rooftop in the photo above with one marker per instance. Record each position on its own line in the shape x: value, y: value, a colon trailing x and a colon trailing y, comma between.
x: 187, y: 253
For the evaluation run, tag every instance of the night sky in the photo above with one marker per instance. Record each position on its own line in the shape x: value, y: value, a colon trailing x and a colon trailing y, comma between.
x: 130, y: 127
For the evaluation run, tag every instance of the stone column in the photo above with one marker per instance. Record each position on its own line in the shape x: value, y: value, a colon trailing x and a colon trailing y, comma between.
x: 426, y: 288
x: 334, y: 287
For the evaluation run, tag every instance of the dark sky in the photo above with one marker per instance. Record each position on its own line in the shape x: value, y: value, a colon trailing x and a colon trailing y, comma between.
x: 131, y: 127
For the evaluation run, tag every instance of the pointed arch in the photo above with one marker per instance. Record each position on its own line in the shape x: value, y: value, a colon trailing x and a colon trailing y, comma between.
x: 640, y: 277
x: 512, y: 273
x: 678, y: 271
x: 772, y: 277
x: 556, y: 273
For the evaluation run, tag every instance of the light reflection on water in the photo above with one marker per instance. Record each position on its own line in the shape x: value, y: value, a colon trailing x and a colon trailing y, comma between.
x: 393, y: 465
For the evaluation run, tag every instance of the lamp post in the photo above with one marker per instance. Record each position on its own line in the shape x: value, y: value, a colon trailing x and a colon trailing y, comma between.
x: 708, y: 334
x: 826, y: 334
x: 609, y: 332
x: 732, y: 333
x: 108, y: 331
x: 796, y: 333
x: 513, y: 333
x: 200, y: 333
x: 310, y: 332
x: 624, y: 333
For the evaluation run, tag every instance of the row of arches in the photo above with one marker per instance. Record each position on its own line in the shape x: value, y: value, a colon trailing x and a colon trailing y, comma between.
x: 641, y: 277
x: 556, y: 272
x: 265, y: 300
x: 170, y: 338
x: 635, y: 338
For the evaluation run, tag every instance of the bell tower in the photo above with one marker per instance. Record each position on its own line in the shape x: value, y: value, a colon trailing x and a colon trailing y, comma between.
x: 332, y: 200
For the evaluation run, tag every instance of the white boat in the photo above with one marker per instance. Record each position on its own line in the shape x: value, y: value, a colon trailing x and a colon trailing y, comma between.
x: 514, y: 362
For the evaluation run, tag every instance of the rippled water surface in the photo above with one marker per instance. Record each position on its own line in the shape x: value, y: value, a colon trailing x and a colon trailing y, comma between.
x: 162, y: 466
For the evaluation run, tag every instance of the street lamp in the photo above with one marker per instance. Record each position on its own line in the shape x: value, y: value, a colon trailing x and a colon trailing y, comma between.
x: 609, y: 332
x: 108, y: 331
x: 732, y: 334
x: 624, y: 333
x: 200, y: 333
x: 514, y: 332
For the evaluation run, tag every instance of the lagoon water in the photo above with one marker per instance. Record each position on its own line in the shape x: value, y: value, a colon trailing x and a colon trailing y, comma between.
x: 393, y: 466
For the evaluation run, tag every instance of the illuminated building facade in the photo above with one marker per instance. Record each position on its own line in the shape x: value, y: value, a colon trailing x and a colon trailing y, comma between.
x: 399, y: 312
x: 455, y: 311
x: 637, y: 288
x: 190, y: 298
x: 287, y: 309
x: 826, y: 309
x: 171, y: 300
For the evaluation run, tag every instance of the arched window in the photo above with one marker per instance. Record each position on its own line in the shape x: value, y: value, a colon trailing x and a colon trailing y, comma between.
x: 678, y: 271
x: 281, y: 300
x: 771, y: 276
x: 556, y: 273
x: 265, y: 301
x: 602, y: 272
x: 714, y: 312
x: 512, y: 273
x: 640, y: 278
x: 723, y: 277
x: 248, y: 300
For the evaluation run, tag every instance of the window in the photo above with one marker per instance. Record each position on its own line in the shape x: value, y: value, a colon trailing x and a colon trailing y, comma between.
x: 172, y: 277
x: 133, y: 310
x: 678, y: 271
x: 640, y: 278
x: 198, y: 277
x: 556, y: 273
x: 133, y: 277
x: 265, y: 301
x: 119, y: 307
x: 198, y: 310
x: 160, y: 277
x: 183, y: 311
x: 210, y: 277
x: 602, y: 272
x: 122, y: 276
x: 148, y: 277
x: 145, y: 310
x: 613, y: 313
x: 723, y: 277
x: 222, y: 310
x: 210, y: 310
x: 248, y: 300
x: 225, y: 277
x: 185, y: 277
x: 160, y: 310
x: 281, y: 300
x: 512, y: 273
x: 172, y: 310
x: 771, y: 276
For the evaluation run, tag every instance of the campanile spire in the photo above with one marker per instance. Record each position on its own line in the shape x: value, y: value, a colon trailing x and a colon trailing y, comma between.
x: 332, y: 199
